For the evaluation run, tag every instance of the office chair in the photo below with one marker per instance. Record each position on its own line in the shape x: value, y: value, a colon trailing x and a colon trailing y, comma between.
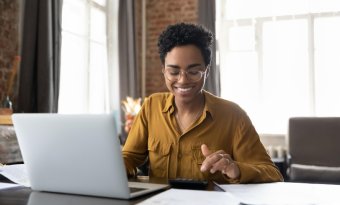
x: 314, y: 149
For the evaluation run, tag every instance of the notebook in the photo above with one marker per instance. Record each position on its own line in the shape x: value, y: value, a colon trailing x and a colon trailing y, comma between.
x: 77, y: 154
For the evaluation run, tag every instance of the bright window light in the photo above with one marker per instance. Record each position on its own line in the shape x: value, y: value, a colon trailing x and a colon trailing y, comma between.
x: 279, y: 59
x: 89, y: 57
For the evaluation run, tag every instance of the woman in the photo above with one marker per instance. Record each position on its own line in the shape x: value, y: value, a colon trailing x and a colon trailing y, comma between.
x: 188, y: 132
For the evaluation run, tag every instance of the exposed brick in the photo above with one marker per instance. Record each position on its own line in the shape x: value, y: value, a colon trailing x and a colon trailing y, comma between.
x: 159, y: 14
x: 9, y: 48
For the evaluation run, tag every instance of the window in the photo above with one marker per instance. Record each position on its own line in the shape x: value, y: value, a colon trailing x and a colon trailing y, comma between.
x: 89, y: 79
x: 279, y: 59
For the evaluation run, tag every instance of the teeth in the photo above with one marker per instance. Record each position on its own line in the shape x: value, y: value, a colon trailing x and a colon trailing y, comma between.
x: 184, y: 89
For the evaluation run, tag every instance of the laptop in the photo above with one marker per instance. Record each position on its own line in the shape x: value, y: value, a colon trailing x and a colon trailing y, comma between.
x: 77, y: 154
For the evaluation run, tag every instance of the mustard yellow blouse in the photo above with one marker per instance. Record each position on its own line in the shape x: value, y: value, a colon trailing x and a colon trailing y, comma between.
x: 222, y: 126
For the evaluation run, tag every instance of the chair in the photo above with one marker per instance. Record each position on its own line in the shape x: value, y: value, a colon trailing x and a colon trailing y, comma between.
x: 313, y: 149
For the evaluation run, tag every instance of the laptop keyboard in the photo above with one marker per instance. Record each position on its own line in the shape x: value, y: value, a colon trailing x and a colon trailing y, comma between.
x: 135, y: 189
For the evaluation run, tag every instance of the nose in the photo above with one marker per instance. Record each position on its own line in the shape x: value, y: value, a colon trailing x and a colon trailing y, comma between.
x: 182, y: 76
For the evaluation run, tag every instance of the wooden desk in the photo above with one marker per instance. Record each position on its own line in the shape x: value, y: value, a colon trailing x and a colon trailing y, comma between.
x: 6, y: 119
x: 25, y: 196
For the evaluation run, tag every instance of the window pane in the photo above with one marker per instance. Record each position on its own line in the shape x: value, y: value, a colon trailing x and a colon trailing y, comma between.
x: 317, y: 6
x: 97, y: 78
x: 327, y: 66
x: 98, y: 25
x: 240, y: 77
x: 73, y: 72
x: 100, y: 2
x: 285, y: 73
x: 84, y: 80
x: 294, y: 52
x: 240, y: 9
x: 74, y: 17
x: 242, y: 38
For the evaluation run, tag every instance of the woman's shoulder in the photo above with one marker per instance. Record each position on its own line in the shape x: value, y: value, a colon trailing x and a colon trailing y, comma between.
x: 158, y: 98
x: 223, y: 106
x: 218, y: 101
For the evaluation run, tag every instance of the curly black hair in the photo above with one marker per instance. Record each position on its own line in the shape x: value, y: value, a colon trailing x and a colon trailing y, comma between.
x: 181, y: 34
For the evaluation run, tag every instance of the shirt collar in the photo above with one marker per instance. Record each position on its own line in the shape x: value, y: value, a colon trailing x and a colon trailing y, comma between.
x: 209, y: 103
x: 169, y: 104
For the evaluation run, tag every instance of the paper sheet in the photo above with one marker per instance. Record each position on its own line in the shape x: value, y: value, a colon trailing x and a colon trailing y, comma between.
x: 16, y: 173
x: 188, y: 197
x: 282, y: 193
x: 7, y: 185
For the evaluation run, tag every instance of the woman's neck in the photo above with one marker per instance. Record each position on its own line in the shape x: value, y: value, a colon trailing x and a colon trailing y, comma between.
x: 184, y: 107
x: 188, y: 113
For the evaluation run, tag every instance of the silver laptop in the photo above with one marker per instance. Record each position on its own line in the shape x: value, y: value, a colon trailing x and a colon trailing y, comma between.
x: 78, y: 154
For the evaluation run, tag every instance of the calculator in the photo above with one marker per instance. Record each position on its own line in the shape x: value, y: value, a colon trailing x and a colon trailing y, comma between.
x: 182, y: 183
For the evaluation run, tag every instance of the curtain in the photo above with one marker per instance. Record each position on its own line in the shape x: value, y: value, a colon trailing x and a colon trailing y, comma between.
x: 40, y: 54
x: 128, y: 74
x: 206, y: 17
x: 129, y: 81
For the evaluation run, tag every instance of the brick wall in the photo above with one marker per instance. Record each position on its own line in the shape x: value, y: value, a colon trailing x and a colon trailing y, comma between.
x: 9, y: 32
x: 159, y: 14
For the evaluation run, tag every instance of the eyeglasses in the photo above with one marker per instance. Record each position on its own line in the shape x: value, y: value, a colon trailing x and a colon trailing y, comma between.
x: 191, y: 75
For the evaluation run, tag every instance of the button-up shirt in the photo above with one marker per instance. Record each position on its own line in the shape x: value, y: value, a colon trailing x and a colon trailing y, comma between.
x: 155, y: 135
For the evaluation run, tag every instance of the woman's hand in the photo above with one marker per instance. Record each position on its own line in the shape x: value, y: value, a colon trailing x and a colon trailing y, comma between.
x: 219, y: 161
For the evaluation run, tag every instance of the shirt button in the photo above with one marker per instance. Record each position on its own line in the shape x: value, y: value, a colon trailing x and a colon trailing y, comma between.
x: 179, y: 156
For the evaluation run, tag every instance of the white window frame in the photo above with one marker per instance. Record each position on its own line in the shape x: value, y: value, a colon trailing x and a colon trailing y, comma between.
x: 223, y: 25
x: 70, y: 102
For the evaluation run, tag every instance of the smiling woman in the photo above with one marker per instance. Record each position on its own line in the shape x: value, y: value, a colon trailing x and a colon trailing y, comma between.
x: 188, y: 132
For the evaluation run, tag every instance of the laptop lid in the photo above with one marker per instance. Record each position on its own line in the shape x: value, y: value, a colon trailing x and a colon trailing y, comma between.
x: 78, y: 154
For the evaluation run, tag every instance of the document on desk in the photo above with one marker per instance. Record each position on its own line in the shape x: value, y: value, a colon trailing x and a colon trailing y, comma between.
x: 7, y: 185
x: 16, y: 173
x: 283, y: 193
x: 188, y: 197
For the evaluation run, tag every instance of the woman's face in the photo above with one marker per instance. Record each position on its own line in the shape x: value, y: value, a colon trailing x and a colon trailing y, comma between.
x: 185, y: 72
